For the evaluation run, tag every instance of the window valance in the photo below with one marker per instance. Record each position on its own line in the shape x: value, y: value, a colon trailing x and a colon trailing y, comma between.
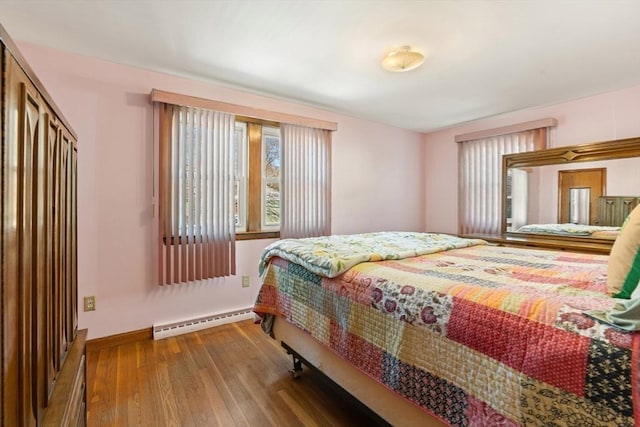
x: 240, y: 110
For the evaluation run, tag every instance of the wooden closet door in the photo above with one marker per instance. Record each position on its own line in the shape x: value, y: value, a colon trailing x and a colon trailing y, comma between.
x: 29, y: 267
x: 10, y: 258
x: 73, y: 213
x: 21, y: 369
x: 60, y: 285
x: 41, y: 265
x: 69, y: 293
x: 61, y: 295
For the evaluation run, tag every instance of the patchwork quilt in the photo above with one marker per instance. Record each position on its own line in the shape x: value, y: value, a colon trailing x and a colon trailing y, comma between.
x: 476, y: 336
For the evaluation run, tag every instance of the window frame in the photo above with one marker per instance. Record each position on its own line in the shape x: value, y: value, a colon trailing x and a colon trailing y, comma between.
x: 255, y: 228
x: 162, y: 99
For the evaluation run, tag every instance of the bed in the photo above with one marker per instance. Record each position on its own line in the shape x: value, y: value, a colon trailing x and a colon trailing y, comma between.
x: 429, y: 329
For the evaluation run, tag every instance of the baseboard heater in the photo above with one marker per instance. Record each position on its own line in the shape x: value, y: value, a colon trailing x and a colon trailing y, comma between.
x: 190, y: 325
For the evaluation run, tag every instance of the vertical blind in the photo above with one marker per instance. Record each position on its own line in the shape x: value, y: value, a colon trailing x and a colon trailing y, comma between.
x: 196, y: 194
x: 306, y: 182
x: 480, y: 177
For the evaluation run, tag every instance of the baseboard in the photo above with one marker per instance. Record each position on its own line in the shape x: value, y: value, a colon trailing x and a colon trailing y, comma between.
x: 98, y: 344
x: 166, y: 330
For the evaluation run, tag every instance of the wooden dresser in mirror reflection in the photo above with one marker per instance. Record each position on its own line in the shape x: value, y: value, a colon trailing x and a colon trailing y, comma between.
x: 613, y: 210
x: 43, y: 353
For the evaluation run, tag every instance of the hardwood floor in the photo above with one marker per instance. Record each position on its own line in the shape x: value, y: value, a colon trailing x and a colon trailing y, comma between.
x: 231, y: 375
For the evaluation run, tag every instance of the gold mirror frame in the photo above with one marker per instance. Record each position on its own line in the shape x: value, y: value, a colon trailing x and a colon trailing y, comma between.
x: 595, y: 151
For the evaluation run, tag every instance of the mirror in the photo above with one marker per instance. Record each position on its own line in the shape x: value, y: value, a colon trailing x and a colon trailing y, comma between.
x: 575, y: 192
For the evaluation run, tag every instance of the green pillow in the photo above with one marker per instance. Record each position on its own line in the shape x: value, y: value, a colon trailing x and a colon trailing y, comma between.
x: 624, y: 260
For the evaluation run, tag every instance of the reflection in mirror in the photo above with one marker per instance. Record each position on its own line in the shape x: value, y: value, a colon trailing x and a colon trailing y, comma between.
x: 579, y: 205
x: 539, y: 198
x: 542, y: 195
x: 594, y: 179
x: 517, y: 195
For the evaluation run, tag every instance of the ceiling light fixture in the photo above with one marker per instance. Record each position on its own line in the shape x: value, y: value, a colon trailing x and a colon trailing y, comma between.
x: 402, y: 59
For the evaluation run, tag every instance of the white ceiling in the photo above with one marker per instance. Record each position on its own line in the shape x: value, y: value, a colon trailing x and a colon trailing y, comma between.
x: 483, y: 57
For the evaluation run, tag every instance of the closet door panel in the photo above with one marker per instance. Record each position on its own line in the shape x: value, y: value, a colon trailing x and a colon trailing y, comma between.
x: 10, y: 248
x: 69, y: 297
x: 56, y: 257
x: 31, y: 304
x: 61, y: 213
x: 35, y: 226
x: 50, y: 348
x: 74, y: 238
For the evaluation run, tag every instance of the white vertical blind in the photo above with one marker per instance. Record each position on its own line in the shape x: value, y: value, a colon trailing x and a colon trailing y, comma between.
x: 306, y: 182
x: 480, y: 173
x: 196, y: 182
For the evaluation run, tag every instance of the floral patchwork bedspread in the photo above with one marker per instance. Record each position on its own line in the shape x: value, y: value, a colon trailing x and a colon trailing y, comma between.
x: 331, y: 256
x: 476, y: 336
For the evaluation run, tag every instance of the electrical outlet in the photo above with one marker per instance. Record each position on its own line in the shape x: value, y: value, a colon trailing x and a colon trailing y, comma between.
x: 245, y: 282
x: 89, y: 303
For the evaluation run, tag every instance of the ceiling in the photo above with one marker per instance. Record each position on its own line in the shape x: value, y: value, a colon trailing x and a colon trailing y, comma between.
x: 482, y: 57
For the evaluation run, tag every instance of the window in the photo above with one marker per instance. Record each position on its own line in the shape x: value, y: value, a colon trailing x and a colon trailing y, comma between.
x: 257, y: 168
x: 270, y: 177
x: 480, y: 175
x: 221, y: 177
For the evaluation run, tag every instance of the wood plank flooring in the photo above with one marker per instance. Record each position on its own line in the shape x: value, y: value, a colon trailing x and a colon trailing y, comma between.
x: 231, y: 375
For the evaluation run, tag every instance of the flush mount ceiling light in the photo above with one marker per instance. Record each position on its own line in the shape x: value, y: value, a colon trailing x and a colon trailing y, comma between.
x: 402, y: 59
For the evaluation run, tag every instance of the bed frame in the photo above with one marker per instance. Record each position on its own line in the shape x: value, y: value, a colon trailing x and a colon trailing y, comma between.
x: 389, y: 406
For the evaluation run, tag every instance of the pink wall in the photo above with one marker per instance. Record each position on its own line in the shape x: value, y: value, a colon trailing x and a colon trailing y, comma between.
x: 377, y: 185
x: 612, y: 115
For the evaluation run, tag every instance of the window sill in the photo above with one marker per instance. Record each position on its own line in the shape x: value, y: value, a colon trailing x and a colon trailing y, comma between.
x: 254, y: 235
x: 244, y: 235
